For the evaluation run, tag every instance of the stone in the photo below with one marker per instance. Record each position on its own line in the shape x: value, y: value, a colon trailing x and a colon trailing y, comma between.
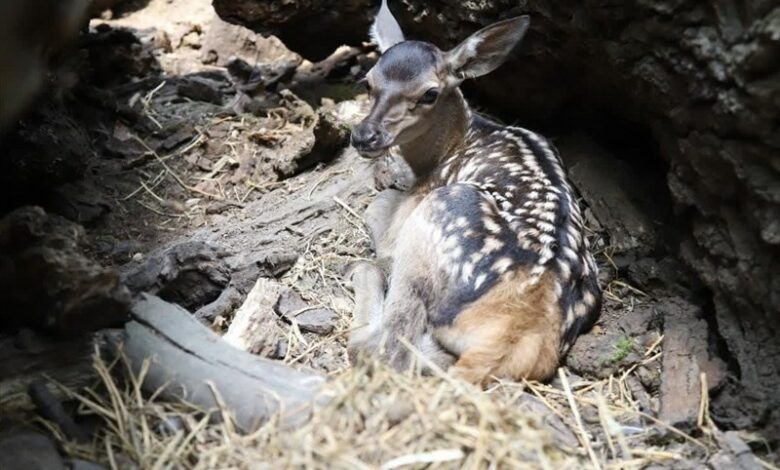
x: 293, y: 308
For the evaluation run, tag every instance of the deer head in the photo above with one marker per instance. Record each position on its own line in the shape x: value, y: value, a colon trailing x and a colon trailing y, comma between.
x: 414, y: 84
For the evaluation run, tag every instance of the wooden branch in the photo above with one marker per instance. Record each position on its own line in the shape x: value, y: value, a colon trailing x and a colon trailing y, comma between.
x: 192, y: 363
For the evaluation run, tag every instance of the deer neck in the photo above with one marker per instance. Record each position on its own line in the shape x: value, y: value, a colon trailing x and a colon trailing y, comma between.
x: 449, y: 123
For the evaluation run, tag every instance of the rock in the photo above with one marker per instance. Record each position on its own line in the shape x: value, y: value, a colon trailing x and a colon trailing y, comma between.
x: 45, y: 274
x: 117, y: 7
x: 293, y: 308
x: 296, y: 22
x: 28, y: 450
x: 223, y: 42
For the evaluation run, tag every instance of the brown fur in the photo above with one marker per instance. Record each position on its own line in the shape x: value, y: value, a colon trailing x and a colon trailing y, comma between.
x: 513, y: 332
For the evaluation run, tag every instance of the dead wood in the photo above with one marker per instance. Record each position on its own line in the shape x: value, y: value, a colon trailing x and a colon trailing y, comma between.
x: 189, y: 362
x: 685, y: 358
x: 191, y: 274
x: 254, y: 322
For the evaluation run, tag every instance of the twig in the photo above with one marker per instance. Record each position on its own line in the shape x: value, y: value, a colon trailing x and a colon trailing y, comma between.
x: 176, y: 177
x: 149, y: 190
x: 346, y: 207
x: 158, y: 212
x: 704, y: 403
x: 576, y: 412
x: 654, y: 345
x: 155, y: 182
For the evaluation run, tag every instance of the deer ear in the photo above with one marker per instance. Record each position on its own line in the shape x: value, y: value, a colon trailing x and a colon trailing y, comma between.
x: 385, y: 31
x: 485, y: 50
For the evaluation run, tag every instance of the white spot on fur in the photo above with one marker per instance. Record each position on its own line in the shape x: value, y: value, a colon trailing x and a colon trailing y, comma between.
x: 502, y: 264
x: 492, y: 244
x: 480, y: 280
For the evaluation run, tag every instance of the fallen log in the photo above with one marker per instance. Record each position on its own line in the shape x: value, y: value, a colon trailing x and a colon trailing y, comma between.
x: 190, y: 362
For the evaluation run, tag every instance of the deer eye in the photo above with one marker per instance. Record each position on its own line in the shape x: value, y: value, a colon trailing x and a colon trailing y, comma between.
x: 429, y: 97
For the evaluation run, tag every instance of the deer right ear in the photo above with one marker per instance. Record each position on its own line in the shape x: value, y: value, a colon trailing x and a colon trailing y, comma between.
x: 485, y: 50
x: 385, y: 31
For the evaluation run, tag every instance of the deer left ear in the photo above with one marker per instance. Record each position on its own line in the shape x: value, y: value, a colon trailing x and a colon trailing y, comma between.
x: 385, y: 31
x: 485, y: 50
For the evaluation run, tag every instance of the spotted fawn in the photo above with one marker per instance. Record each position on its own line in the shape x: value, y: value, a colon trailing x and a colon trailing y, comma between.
x: 482, y: 261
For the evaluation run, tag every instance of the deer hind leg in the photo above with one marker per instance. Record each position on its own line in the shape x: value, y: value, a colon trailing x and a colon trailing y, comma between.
x: 512, y: 332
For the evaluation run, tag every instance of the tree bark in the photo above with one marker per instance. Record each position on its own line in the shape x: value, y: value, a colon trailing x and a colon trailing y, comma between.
x: 191, y: 363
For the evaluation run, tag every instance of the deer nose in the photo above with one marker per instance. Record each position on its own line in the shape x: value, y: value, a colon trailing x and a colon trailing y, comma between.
x: 368, y: 136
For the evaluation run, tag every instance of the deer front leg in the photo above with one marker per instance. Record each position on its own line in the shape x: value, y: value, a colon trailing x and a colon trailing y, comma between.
x: 368, y: 284
x: 385, y: 216
x: 392, y: 172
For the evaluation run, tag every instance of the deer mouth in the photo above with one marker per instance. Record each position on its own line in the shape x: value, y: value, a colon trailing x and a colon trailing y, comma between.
x: 371, y: 153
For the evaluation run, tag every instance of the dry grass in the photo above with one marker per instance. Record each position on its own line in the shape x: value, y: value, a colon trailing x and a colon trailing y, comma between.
x: 378, y: 418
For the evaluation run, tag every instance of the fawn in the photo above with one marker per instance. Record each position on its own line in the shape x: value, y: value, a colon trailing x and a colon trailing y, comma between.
x: 482, y: 263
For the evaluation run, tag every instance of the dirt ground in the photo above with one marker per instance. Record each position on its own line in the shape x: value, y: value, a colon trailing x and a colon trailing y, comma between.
x: 208, y: 175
